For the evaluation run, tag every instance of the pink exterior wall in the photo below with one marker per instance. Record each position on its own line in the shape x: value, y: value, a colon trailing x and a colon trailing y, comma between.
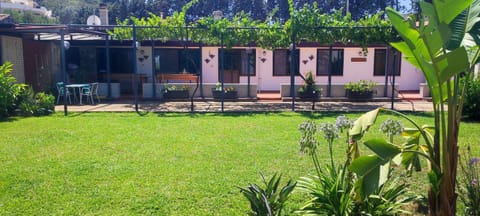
x: 210, y: 69
x: 409, y: 79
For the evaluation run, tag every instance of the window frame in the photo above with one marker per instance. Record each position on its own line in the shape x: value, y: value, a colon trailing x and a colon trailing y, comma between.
x: 241, y: 52
x: 390, y: 67
x: 338, y: 51
x: 287, y: 60
x: 180, y: 60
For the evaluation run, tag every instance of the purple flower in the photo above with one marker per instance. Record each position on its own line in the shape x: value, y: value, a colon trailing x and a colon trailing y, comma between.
x: 474, y: 182
x: 474, y: 161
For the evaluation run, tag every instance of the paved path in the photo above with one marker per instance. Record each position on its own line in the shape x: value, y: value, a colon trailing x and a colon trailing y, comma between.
x: 214, y: 106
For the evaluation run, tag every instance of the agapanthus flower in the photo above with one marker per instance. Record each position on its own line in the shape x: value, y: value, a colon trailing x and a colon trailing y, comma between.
x: 474, y: 161
x: 329, y: 130
x: 308, y: 143
x: 474, y: 182
x: 391, y: 127
x: 342, y: 122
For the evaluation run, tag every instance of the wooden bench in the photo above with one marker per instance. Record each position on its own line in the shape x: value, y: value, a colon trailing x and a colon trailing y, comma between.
x: 166, y: 78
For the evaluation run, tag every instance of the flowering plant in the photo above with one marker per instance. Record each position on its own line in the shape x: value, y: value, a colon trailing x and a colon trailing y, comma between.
x: 168, y: 88
x: 469, y: 185
x: 218, y: 87
x: 360, y: 86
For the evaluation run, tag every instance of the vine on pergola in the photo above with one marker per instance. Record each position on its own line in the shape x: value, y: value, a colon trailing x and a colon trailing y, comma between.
x: 307, y: 23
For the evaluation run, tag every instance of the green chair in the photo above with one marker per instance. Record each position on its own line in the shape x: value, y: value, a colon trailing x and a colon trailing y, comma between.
x: 61, y: 92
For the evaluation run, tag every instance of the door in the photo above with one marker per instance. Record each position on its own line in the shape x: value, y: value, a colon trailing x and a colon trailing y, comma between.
x: 232, y: 66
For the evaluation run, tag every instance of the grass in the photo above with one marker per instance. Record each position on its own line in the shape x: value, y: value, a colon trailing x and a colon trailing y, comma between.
x: 160, y: 164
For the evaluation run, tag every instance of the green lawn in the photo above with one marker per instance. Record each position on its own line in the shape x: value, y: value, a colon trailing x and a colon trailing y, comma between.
x: 162, y: 164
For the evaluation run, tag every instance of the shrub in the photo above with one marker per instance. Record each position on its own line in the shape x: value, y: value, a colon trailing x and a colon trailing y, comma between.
x: 9, y: 90
x: 269, y: 200
x: 336, y: 191
x: 309, y: 83
x: 360, y: 86
x: 471, y: 102
x: 32, y: 104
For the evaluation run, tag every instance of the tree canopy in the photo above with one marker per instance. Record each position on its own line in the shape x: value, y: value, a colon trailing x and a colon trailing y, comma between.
x: 307, y: 23
x: 77, y: 11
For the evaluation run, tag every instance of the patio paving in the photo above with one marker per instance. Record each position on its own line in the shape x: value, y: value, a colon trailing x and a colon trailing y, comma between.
x: 258, y: 106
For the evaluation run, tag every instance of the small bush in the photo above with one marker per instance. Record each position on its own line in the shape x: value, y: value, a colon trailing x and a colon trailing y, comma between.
x: 9, y: 90
x: 361, y: 86
x: 471, y: 103
x: 32, y: 104
x: 269, y: 200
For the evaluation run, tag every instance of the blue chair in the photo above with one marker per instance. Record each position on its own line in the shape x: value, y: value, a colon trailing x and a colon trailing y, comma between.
x: 61, y: 92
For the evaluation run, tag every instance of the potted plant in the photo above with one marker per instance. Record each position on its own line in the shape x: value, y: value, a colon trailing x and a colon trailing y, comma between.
x: 230, y: 92
x: 308, y: 90
x: 175, y: 92
x: 362, y: 89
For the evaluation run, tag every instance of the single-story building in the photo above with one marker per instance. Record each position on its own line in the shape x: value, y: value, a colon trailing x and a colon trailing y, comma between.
x: 35, y: 52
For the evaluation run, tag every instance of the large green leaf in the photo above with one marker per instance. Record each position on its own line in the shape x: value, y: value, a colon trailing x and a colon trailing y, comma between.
x: 433, y: 34
x: 367, y: 184
x: 361, y: 125
x: 463, y: 24
x: 452, y: 63
x: 382, y: 148
x: 403, y: 26
x: 371, y: 172
x: 410, y: 159
x: 366, y: 164
x: 466, y: 32
x: 448, y: 10
x: 407, y: 53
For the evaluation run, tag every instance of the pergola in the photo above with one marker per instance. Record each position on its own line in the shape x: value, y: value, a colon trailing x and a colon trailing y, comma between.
x: 62, y: 34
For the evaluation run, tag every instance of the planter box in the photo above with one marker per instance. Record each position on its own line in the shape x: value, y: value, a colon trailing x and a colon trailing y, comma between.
x: 309, y: 95
x: 183, y: 94
x: 228, y: 95
x: 354, y: 95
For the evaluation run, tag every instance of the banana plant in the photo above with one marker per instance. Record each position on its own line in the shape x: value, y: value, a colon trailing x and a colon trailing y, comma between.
x: 443, y: 44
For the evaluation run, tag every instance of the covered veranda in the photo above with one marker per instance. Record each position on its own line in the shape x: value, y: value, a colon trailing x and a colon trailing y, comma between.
x: 66, y: 36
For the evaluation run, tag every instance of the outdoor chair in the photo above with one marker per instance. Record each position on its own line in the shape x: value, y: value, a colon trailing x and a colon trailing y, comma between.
x: 87, y: 92
x: 61, y: 92
x: 95, y: 91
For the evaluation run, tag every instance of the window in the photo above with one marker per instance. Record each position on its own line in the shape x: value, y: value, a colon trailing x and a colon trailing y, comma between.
x: 121, y: 60
x: 336, y: 62
x: 380, y: 61
x: 239, y: 60
x: 176, y: 60
x: 282, y: 60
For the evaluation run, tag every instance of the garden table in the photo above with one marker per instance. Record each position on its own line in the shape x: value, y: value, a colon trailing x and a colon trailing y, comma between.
x: 76, y: 89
